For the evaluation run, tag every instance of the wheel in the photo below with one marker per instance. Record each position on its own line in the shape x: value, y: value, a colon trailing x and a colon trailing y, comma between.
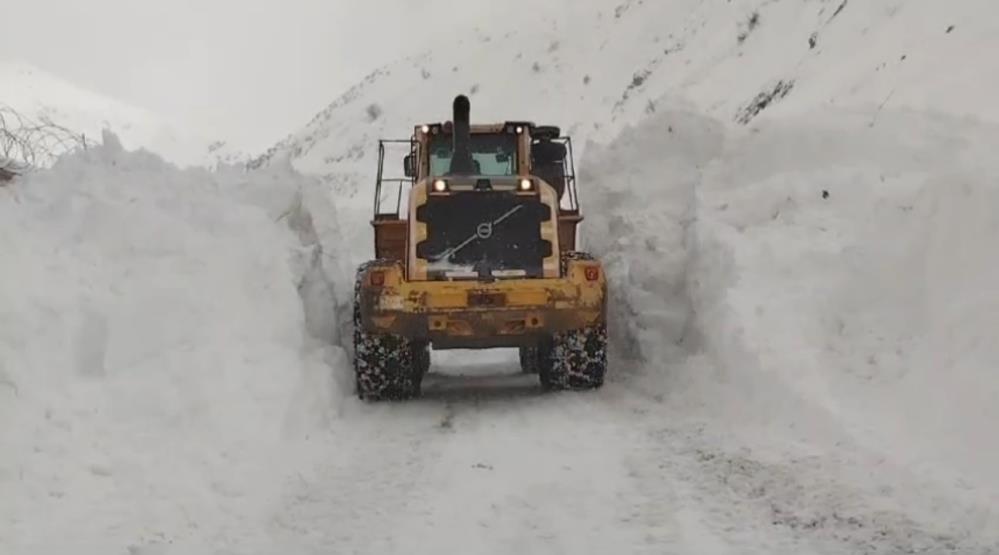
x: 529, y: 360
x: 386, y: 366
x: 421, y: 357
x: 577, y: 359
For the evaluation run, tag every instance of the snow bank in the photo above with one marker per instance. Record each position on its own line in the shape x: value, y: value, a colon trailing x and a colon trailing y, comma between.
x: 637, y: 194
x: 876, y: 300
x: 821, y: 276
x: 154, y: 347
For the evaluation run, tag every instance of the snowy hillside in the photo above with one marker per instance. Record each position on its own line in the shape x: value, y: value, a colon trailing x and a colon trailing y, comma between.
x: 39, y: 97
x: 803, y: 308
x: 594, y: 67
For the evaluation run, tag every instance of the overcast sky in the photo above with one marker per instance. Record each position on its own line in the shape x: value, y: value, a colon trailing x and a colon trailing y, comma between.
x: 249, y: 70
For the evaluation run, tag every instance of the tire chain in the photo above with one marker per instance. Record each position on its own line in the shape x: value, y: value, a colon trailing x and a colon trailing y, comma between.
x: 386, y: 366
x: 575, y: 359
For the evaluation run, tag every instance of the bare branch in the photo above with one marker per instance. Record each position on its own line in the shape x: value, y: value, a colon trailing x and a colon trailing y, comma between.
x: 27, y: 143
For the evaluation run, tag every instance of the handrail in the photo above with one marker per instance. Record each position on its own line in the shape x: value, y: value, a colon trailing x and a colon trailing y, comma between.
x: 380, y: 178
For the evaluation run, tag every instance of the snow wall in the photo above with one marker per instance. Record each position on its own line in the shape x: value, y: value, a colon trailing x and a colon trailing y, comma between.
x: 165, y: 335
x: 823, y: 273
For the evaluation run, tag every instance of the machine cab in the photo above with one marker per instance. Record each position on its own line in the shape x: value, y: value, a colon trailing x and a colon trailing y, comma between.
x: 481, y: 200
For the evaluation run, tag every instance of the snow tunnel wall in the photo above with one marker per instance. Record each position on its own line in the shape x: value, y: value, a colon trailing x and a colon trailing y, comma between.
x: 864, y: 280
x: 177, y: 322
x: 817, y: 274
x: 638, y: 195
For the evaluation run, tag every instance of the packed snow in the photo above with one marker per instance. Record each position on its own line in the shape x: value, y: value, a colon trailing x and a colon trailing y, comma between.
x: 831, y: 285
x: 154, y: 347
x: 794, y: 203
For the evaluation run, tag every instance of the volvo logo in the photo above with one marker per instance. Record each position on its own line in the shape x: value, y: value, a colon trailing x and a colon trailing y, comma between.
x: 484, y: 230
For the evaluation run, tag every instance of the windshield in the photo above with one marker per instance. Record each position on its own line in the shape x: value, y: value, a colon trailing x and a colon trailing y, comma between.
x: 494, y: 154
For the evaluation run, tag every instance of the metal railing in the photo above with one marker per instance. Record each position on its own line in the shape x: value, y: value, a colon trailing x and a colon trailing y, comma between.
x: 400, y: 182
x: 570, y: 175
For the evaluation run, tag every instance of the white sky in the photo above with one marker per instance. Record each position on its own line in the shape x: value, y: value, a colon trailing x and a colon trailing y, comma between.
x: 250, y: 71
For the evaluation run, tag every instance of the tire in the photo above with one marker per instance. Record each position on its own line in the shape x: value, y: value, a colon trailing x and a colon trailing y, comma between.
x: 530, y: 360
x: 386, y: 366
x: 421, y: 358
x: 576, y: 359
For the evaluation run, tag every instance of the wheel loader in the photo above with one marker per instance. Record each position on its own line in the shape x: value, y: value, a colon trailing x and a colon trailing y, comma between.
x: 475, y: 248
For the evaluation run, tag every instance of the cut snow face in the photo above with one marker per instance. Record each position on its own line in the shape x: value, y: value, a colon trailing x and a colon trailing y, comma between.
x: 850, y: 269
x: 816, y: 287
x: 639, y: 207
x: 154, y: 348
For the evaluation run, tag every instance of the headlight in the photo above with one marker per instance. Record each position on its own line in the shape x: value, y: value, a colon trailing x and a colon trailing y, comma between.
x: 526, y: 184
x: 440, y: 185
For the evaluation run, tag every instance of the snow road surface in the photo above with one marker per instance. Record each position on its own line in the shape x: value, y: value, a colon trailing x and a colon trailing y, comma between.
x: 484, y: 463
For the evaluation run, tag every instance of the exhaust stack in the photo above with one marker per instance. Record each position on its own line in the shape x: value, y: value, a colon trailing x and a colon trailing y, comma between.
x: 461, y: 160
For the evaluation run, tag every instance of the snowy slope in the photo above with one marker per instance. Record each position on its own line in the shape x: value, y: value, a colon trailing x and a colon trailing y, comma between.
x: 593, y: 67
x: 39, y: 96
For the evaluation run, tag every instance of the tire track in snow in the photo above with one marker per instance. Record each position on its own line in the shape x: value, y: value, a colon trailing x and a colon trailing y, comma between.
x: 499, y: 469
x: 490, y: 465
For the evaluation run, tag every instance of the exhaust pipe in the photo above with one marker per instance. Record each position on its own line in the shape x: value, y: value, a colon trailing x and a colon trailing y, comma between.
x: 461, y: 160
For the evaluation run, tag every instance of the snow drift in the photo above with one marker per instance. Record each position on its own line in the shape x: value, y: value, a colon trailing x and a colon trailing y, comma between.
x: 163, y: 333
x: 861, y: 278
x: 817, y: 279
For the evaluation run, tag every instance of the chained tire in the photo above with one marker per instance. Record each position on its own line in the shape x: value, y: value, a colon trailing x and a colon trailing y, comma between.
x: 387, y: 367
x: 421, y: 357
x: 574, y: 359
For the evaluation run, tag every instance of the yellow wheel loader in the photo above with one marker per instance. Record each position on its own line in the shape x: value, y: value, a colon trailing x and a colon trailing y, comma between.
x: 483, y: 256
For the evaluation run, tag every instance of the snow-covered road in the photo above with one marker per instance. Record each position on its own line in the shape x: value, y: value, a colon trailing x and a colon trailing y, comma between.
x: 506, y: 471
x: 487, y: 464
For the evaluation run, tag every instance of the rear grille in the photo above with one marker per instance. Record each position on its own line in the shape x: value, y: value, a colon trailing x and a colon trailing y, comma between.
x: 484, y: 234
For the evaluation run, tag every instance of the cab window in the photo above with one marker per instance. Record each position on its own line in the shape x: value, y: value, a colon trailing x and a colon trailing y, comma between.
x: 494, y: 154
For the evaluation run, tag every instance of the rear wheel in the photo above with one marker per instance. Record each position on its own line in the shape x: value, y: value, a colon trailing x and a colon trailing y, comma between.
x: 576, y: 359
x: 386, y: 366
x: 421, y: 357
